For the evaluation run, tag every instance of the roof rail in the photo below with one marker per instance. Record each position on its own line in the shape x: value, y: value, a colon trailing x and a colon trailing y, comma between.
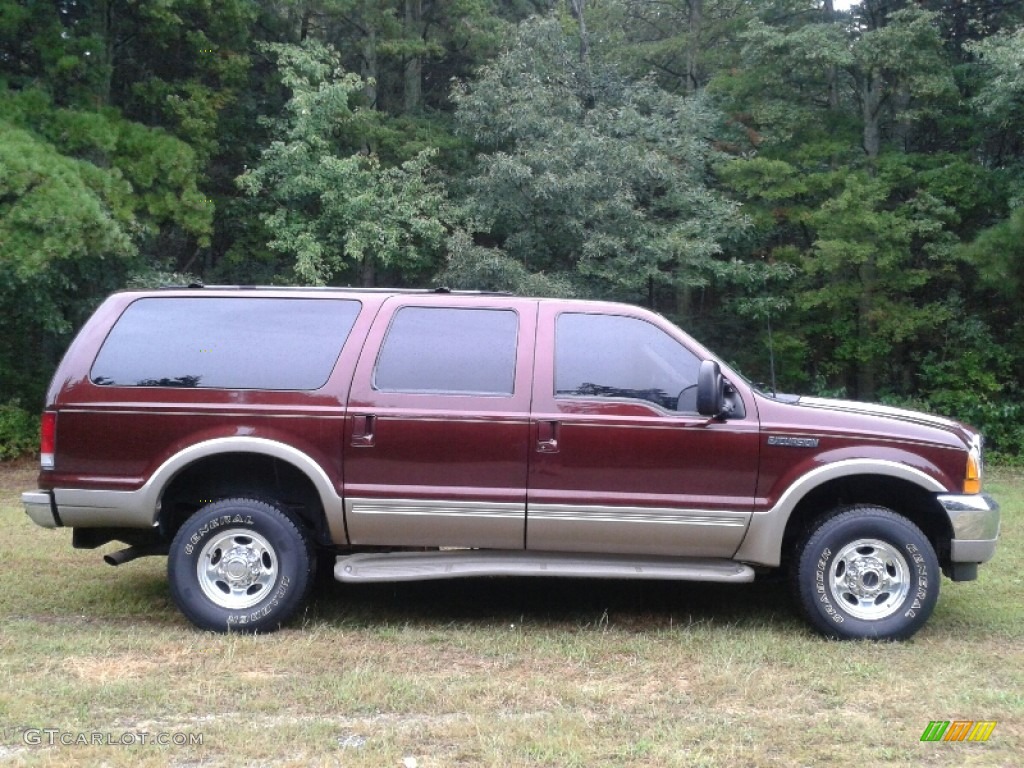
x: 330, y: 289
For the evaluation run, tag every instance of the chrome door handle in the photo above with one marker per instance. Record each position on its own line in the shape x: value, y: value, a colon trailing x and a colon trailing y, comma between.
x: 547, y: 437
x: 362, y: 431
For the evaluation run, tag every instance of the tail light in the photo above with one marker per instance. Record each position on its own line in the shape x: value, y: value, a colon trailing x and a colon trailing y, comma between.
x: 47, y: 439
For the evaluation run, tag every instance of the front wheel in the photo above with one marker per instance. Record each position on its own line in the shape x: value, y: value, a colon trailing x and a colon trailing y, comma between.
x: 866, y: 572
x: 240, y: 565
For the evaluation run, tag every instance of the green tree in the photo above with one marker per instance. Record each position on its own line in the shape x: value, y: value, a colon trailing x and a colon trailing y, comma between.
x: 834, y: 190
x: 682, y: 43
x: 584, y: 173
x: 1000, y: 100
x: 64, y: 229
x: 79, y: 192
x: 334, y: 208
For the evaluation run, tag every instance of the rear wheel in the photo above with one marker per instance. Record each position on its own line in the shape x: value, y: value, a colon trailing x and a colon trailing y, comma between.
x: 240, y: 565
x: 866, y: 572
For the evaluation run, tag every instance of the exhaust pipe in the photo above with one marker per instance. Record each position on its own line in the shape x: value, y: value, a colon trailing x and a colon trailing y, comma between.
x: 133, y: 553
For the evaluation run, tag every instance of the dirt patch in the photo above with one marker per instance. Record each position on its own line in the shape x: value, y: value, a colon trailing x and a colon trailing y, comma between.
x: 105, y: 670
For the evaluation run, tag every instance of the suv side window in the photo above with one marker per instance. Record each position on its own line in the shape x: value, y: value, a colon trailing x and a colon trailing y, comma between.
x: 613, y: 356
x: 449, y: 350
x: 226, y: 343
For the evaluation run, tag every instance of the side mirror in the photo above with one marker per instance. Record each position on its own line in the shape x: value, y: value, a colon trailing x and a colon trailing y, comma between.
x: 710, y: 390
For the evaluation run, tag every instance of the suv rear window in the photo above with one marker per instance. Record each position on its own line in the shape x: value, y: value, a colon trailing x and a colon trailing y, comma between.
x: 226, y: 343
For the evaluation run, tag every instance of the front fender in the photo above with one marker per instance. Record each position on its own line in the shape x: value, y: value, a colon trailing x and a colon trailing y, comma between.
x: 762, y: 544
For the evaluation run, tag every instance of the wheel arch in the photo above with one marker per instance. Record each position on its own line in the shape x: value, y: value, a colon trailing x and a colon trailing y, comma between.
x: 246, y: 466
x: 772, y: 535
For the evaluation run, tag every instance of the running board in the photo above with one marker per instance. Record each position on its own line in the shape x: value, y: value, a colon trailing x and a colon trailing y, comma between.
x: 468, y: 563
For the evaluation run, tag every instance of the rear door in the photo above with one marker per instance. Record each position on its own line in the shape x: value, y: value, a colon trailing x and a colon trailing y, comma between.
x: 620, y: 460
x: 437, y: 432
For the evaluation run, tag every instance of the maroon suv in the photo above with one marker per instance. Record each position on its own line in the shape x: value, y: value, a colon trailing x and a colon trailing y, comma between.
x: 426, y: 435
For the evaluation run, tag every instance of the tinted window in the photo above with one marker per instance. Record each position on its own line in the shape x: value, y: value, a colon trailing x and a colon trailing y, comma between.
x: 229, y: 343
x: 449, y: 350
x: 609, y: 356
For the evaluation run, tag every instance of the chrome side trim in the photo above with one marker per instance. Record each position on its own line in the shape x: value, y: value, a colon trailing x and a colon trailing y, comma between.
x: 634, y: 530
x: 435, y: 523
x: 763, y: 543
x: 273, y: 412
x: 417, y: 566
x: 736, y: 426
x: 435, y: 508
x: 395, y: 414
x: 656, y: 515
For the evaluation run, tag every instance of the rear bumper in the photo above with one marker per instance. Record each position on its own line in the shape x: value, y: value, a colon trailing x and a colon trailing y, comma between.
x: 88, y: 508
x: 40, y: 508
x: 975, y: 521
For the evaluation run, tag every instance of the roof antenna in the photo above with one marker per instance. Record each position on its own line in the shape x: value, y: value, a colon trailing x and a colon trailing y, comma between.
x: 771, y: 343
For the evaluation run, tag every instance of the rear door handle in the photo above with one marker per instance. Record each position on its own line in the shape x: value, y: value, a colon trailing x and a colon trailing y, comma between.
x: 362, y: 430
x: 547, y: 437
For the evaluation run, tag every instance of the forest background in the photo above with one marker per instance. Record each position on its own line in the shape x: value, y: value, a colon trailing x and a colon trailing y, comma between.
x: 845, y: 187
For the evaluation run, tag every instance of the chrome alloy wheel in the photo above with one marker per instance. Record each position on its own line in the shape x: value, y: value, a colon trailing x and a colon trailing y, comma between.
x: 237, y: 568
x: 870, y: 579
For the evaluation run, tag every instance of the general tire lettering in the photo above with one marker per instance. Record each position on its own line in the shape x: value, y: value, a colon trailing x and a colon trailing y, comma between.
x: 866, y: 601
x: 276, y: 554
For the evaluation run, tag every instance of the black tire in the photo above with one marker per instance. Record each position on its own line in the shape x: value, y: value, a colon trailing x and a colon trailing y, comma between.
x: 866, y: 572
x: 240, y: 565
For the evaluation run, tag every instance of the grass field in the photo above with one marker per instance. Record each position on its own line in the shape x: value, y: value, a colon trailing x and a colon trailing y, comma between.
x: 501, y: 672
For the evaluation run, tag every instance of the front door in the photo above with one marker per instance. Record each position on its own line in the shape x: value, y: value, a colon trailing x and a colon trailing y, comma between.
x: 436, y: 439
x: 620, y: 460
